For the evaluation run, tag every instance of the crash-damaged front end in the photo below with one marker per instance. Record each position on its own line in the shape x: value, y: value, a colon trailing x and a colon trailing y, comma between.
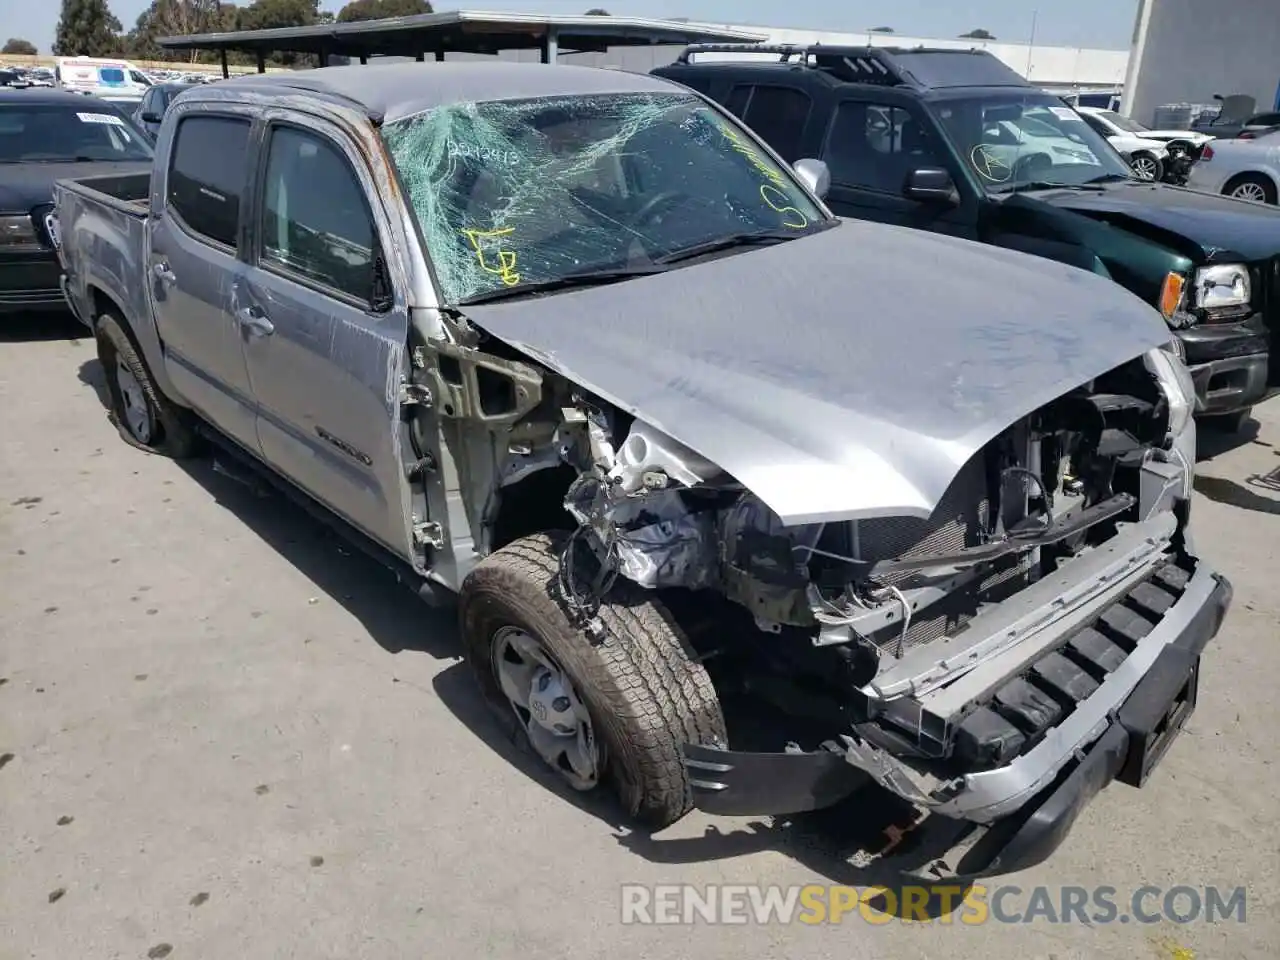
x: 927, y: 501
x: 994, y: 663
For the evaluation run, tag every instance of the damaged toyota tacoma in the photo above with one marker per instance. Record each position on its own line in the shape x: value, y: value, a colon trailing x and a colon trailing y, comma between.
x: 576, y: 346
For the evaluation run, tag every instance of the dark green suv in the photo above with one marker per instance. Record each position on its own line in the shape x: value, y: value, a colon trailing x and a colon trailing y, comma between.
x: 956, y: 142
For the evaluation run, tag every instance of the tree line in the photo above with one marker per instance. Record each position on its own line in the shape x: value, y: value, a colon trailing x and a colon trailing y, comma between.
x: 89, y: 28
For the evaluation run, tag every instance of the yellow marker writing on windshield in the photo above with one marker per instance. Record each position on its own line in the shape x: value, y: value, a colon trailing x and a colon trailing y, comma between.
x: 506, y: 266
x: 793, y: 216
x: 771, y: 192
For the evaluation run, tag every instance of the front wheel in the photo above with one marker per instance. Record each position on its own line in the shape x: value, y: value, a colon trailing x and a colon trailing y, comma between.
x: 614, y: 706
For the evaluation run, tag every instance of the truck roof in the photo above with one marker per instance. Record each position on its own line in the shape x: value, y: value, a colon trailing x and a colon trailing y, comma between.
x: 392, y: 92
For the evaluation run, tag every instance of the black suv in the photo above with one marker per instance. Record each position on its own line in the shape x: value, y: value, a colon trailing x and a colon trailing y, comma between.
x: 956, y: 142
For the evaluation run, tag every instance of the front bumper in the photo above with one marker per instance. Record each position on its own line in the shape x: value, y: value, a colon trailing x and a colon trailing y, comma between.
x: 1030, y: 820
x: 1228, y: 385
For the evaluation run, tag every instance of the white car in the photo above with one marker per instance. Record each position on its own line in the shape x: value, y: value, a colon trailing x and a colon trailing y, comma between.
x: 1244, y: 169
x: 1109, y: 124
x: 1149, y: 149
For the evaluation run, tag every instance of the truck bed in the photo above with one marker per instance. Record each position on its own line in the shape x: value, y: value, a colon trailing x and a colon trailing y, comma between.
x: 127, y: 192
x: 102, y: 226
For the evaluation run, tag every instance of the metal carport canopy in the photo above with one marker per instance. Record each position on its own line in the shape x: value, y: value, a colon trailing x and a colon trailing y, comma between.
x: 456, y: 31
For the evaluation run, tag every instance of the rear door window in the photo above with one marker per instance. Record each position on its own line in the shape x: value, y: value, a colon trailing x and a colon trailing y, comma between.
x: 207, y: 171
x: 779, y: 115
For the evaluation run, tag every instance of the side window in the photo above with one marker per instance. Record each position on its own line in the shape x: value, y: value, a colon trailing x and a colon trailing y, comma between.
x: 779, y: 114
x: 737, y: 102
x: 315, y: 219
x: 207, y: 171
x: 874, y: 146
x: 1265, y: 120
x: 1098, y: 126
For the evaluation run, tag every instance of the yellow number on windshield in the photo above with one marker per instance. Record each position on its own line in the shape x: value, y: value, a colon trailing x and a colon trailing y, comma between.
x: 505, y: 269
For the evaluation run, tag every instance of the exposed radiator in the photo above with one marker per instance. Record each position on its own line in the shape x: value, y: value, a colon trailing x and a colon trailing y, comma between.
x: 958, y: 521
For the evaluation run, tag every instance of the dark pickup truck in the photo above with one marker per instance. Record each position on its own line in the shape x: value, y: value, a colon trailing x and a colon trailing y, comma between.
x: 577, y: 345
x: 956, y: 142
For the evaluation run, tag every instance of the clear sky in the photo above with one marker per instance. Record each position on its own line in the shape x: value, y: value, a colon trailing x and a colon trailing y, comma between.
x: 1087, y: 23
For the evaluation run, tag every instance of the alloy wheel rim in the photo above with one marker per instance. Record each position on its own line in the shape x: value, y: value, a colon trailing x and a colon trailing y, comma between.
x: 1145, y: 168
x: 1250, y: 191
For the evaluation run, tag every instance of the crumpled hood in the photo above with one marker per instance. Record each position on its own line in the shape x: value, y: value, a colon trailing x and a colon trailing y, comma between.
x: 1201, y: 224
x: 847, y: 374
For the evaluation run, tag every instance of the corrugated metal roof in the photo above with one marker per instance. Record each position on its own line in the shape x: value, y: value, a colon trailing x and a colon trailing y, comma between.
x: 468, y: 31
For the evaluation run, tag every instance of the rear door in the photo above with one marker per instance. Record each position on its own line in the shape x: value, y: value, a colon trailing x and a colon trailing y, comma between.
x: 873, y: 142
x: 778, y: 112
x: 325, y: 335
x: 196, y: 230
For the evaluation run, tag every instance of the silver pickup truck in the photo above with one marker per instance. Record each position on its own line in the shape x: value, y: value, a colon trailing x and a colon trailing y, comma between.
x: 577, y: 347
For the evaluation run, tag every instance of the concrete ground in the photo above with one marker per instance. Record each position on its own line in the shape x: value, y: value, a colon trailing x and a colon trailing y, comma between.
x: 225, y: 736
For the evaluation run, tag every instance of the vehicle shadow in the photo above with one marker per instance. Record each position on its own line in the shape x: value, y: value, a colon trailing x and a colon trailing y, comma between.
x: 1222, y: 490
x: 1212, y: 442
x: 33, y: 327
x: 839, y: 844
x: 394, y: 617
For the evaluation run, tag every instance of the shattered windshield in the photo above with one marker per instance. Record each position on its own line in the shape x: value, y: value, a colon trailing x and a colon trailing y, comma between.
x: 1013, y: 143
x: 515, y: 193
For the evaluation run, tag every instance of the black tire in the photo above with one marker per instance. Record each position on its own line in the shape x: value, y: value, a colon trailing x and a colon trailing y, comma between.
x: 1229, y: 422
x: 170, y: 432
x: 1257, y: 180
x: 640, y: 682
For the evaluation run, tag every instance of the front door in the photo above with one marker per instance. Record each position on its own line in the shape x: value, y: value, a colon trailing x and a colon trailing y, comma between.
x: 325, y: 338
x: 195, y: 232
x: 871, y: 147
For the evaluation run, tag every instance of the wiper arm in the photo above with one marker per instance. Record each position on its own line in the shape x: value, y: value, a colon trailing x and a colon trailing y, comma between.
x: 1110, y: 178
x: 586, y: 278
x: 1089, y: 187
x: 756, y: 238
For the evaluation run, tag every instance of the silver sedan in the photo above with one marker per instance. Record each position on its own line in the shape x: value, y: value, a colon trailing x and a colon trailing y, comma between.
x: 1245, y: 169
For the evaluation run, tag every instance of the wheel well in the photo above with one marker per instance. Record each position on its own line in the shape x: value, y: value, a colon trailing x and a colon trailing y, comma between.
x: 533, y: 505
x: 1256, y: 176
x: 102, y: 302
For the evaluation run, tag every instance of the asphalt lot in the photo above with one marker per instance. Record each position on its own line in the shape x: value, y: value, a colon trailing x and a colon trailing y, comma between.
x: 233, y: 738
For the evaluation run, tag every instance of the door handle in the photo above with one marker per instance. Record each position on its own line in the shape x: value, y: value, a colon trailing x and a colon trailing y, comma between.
x: 255, y: 321
x: 162, y: 272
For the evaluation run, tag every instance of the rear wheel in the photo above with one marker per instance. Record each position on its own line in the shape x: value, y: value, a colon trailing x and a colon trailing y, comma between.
x: 1148, y: 166
x: 144, y: 417
x: 616, y: 705
x: 1251, y: 186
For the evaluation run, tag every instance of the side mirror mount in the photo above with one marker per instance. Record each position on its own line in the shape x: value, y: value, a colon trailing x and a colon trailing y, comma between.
x: 150, y: 116
x: 814, y: 175
x: 931, y: 185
